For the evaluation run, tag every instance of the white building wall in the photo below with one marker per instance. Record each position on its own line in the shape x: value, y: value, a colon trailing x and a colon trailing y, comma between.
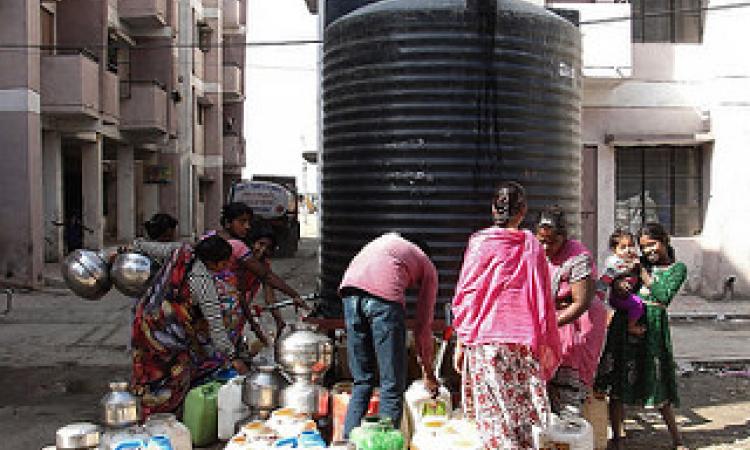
x: 678, y: 94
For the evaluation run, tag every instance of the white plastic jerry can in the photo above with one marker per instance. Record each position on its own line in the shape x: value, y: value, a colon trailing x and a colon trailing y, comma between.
x: 568, y: 433
x: 231, y: 408
x: 420, y: 404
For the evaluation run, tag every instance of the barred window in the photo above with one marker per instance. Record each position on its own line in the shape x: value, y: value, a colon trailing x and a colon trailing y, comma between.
x: 676, y: 21
x: 660, y: 184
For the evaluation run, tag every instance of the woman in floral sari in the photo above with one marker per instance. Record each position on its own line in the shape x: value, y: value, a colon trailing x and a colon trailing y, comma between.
x: 181, y: 334
x: 504, y: 317
x: 640, y: 371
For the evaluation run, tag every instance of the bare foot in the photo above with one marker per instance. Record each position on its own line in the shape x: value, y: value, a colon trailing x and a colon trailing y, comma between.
x: 636, y: 330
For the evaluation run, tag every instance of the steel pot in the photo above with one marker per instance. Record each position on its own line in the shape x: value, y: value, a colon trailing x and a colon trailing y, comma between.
x: 120, y: 407
x: 86, y: 274
x: 81, y: 435
x: 261, y: 391
x: 132, y: 273
x: 306, y: 397
x: 303, y: 351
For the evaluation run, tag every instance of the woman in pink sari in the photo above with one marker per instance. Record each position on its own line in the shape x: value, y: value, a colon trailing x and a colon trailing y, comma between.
x: 504, y: 317
x: 582, y: 317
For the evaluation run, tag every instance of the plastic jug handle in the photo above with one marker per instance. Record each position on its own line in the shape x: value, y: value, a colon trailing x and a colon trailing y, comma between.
x: 286, y: 441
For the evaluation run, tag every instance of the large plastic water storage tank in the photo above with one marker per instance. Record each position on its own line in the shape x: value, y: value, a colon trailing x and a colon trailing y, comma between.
x: 428, y: 104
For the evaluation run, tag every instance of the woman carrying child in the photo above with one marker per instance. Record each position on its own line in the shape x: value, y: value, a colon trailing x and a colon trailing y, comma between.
x: 640, y: 371
x: 621, y: 279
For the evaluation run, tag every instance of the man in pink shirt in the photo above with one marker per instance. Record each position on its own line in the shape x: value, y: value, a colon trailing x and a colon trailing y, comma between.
x: 373, y: 290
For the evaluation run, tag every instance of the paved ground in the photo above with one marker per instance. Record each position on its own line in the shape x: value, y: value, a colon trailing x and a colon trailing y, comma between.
x: 57, y: 353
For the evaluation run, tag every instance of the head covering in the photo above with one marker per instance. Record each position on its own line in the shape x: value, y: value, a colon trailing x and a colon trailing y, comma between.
x: 503, y: 295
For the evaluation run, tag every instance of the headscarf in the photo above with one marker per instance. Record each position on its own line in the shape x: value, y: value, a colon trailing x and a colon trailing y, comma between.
x: 503, y: 295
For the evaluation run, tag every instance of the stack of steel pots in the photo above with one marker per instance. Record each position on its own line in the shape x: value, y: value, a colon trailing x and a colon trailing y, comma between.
x: 305, y: 355
x: 261, y: 391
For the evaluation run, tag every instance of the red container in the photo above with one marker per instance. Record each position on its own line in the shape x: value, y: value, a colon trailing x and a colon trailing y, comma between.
x: 341, y: 394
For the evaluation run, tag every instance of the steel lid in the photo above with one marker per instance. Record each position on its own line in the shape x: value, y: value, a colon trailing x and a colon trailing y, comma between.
x: 78, y: 435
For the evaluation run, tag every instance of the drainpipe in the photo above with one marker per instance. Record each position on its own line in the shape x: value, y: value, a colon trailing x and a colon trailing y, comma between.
x: 728, y: 289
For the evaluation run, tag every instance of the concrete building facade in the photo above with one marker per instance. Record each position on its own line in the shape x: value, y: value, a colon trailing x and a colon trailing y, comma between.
x: 665, y: 128
x: 113, y: 111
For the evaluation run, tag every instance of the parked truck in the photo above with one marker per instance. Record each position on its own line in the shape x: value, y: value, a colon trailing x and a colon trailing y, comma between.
x: 274, y: 203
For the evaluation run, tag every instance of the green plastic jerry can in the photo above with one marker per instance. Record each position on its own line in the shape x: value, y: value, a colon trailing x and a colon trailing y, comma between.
x: 201, y: 413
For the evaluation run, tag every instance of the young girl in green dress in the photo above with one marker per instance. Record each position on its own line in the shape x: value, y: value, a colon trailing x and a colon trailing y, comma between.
x: 640, y: 371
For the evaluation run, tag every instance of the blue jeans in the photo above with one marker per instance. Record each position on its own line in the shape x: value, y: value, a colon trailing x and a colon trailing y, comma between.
x: 376, y: 345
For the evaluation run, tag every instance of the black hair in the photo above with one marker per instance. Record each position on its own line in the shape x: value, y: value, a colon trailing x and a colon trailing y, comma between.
x: 508, y: 201
x: 656, y: 231
x: 159, y: 224
x: 419, y: 241
x: 233, y: 210
x: 213, y: 249
x: 617, y: 235
x: 553, y: 217
x: 263, y: 232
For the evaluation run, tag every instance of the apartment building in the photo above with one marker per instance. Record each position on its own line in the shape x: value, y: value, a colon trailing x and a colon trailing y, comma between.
x: 111, y: 111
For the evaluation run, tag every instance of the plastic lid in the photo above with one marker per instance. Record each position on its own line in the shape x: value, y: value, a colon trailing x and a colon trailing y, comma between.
x: 161, y: 417
x: 118, y: 386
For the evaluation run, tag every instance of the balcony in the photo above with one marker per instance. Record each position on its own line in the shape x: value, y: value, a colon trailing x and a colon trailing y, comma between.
x: 232, y: 85
x: 110, y: 96
x: 234, y: 150
x: 70, y: 84
x: 143, y: 108
x: 231, y: 12
x: 143, y: 13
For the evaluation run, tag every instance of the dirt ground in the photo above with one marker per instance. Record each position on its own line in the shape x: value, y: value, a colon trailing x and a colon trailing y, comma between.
x: 714, y: 414
x: 57, y: 354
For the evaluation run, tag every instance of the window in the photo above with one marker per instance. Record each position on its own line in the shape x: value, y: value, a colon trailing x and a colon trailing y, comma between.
x: 201, y: 113
x: 677, y: 21
x: 660, y: 184
x: 47, y: 28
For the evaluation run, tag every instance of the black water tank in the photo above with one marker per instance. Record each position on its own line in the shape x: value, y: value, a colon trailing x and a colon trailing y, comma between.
x: 428, y: 105
x: 337, y: 8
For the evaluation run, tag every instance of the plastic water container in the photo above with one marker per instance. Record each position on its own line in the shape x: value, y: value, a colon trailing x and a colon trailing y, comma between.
x: 420, y: 404
x: 570, y: 433
x: 435, y: 433
x: 231, y: 408
x: 376, y: 433
x: 311, y: 439
x: 168, y: 425
x: 201, y: 413
x: 130, y: 444
x: 120, y: 438
x: 159, y: 442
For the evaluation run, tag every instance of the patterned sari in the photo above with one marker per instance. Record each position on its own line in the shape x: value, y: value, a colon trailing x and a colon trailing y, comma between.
x: 583, y: 339
x: 172, y: 349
